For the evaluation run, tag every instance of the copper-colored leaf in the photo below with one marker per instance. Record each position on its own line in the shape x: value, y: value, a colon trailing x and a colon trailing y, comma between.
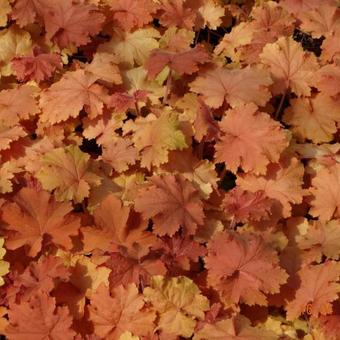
x: 171, y: 202
x: 33, y: 215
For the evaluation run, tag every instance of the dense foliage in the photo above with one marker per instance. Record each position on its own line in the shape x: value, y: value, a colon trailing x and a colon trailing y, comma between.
x: 169, y: 169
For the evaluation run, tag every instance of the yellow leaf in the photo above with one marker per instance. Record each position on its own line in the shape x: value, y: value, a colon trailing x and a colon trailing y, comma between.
x: 132, y: 47
x: 5, y: 9
x: 104, y: 67
x: 212, y: 14
x: 179, y: 304
x: 4, y: 265
x: 128, y: 336
x: 155, y: 136
x: 67, y: 171
x: 7, y: 171
x: 13, y: 41
x: 136, y: 79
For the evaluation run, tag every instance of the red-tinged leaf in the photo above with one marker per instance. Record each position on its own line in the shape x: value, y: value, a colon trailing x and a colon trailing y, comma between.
x: 138, y: 270
x: 179, y: 253
x: 238, y: 268
x: 177, y: 13
x: 33, y: 215
x: 177, y: 140
x: 120, y: 154
x: 330, y: 324
x: 123, y: 101
x: 244, y: 206
x: 236, y: 87
x: 43, y: 275
x: 40, y: 66
x: 29, y: 11
x: 249, y: 139
x: 121, y: 310
x: 210, y: 316
x: 72, y: 24
x: 129, y: 14
x: 39, y: 319
x: 171, y: 202
x: 318, y: 289
x: 185, y: 62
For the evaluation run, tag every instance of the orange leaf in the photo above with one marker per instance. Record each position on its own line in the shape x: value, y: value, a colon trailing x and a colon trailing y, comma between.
x: 65, y: 98
x: 28, y: 11
x: 33, y: 215
x: 170, y: 201
x: 40, y: 66
x: 122, y: 310
x: 326, y: 192
x: 236, y: 87
x: 238, y: 268
x: 249, y: 139
x: 38, y: 319
x: 283, y: 182
x: 129, y: 14
x: 318, y: 289
x: 18, y: 104
x: 290, y: 67
x: 71, y: 24
x: 313, y: 118
x: 185, y: 62
x: 177, y: 13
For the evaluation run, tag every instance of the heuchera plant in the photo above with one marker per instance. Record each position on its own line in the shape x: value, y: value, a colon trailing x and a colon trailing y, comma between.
x: 169, y: 169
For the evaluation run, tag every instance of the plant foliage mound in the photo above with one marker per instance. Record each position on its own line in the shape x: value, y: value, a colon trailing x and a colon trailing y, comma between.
x: 169, y: 169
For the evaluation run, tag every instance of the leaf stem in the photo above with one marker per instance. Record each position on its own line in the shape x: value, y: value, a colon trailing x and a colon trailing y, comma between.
x: 232, y: 223
x: 168, y: 87
x: 197, y: 37
x: 137, y: 108
x: 278, y: 111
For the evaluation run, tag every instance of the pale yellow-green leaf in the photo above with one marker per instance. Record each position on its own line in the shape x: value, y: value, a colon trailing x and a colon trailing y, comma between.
x: 132, y: 47
x: 67, y: 171
x: 155, y: 136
